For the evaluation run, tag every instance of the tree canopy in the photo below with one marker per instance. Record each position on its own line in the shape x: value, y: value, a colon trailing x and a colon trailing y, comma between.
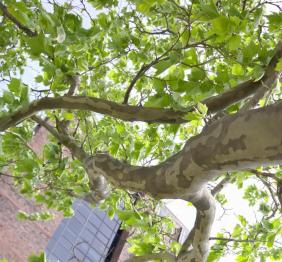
x: 152, y: 99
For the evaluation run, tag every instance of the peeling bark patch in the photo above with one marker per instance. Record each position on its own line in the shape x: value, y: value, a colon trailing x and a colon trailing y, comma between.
x: 276, y: 157
x: 202, y: 204
x: 157, y: 184
x: 183, y: 181
x: 203, y: 153
x: 235, y: 144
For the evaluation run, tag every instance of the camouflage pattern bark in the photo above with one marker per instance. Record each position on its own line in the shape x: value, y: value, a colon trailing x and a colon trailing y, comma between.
x: 245, y: 140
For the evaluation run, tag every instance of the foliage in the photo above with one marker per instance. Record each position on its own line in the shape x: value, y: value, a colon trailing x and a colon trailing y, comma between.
x: 162, y: 54
x: 39, y: 258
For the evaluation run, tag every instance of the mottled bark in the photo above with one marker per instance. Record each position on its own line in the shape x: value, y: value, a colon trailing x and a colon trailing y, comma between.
x: 246, y: 140
x: 196, y: 246
x: 237, y: 142
x: 242, y: 141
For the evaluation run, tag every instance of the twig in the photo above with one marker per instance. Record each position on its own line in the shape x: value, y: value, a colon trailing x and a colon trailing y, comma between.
x: 24, y: 28
x: 221, y: 184
x: 145, y: 68
x: 140, y: 73
x: 264, y: 174
x: 75, y: 82
x: 236, y: 240
x: 7, y: 175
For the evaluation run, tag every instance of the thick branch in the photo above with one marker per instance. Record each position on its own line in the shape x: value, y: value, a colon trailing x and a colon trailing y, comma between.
x: 237, y: 142
x: 198, y: 237
x: 7, y: 14
x: 247, y: 88
x: 124, y: 112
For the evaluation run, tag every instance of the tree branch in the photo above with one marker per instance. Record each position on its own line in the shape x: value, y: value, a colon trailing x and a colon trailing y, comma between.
x: 135, y: 113
x: 98, y: 185
x: 198, y: 237
x: 264, y: 174
x: 75, y: 82
x: 221, y: 184
x: 248, y: 88
x: 78, y: 152
x: 236, y: 240
x: 145, y: 68
x: 268, y: 80
x: 124, y: 112
x: 24, y: 28
x: 228, y: 144
x: 140, y: 73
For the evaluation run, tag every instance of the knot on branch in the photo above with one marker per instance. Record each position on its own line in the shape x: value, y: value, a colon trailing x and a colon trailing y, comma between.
x: 99, y: 186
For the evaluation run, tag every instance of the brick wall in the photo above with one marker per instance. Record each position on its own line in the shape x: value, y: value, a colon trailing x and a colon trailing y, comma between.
x: 18, y: 239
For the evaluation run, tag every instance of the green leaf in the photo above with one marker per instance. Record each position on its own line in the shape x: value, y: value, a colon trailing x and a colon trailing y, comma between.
x: 234, y: 42
x: 237, y: 70
x: 208, y: 10
x: 103, y: 21
x: 202, y: 108
x: 275, y: 21
x: 15, y: 86
x: 159, y: 85
x: 61, y: 35
x: 159, y: 100
x: 183, y: 86
x: 40, y: 258
x: 197, y: 74
x: 68, y: 115
x: 36, y: 44
x: 26, y: 187
x: 20, y: 15
x: 278, y: 66
x: 214, y: 255
x: 193, y: 116
x: 175, y: 247
x: 22, y: 215
x: 242, y: 220
x: 162, y: 66
x: 8, y: 97
x: 26, y: 165
x: 39, y: 79
x: 190, y: 57
x: 111, y: 213
x: 221, y: 25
